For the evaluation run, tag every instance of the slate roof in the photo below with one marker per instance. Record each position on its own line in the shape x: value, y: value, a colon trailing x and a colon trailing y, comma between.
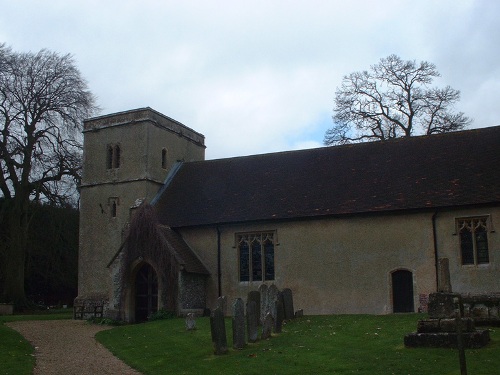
x: 184, y: 256
x: 426, y: 172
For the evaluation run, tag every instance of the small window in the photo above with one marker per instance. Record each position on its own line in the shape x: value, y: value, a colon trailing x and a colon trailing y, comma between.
x: 256, y: 256
x: 113, y: 209
x: 116, y: 158
x: 473, y: 235
x: 112, y: 156
x: 113, y: 203
x: 109, y: 157
x: 164, y: 158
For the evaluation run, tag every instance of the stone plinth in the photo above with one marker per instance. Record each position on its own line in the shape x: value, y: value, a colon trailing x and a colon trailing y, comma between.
x: 471, y: 340
x: 440, y: 330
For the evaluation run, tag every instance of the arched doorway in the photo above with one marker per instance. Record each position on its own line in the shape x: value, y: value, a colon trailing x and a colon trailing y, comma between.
x: 146, y: 293
x: 402, y: 291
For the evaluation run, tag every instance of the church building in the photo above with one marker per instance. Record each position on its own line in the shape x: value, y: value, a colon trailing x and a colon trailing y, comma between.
x: 359, y: 228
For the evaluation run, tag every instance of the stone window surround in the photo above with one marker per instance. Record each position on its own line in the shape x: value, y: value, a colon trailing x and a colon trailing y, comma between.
x: 265, y: 235
x: 488, y: 224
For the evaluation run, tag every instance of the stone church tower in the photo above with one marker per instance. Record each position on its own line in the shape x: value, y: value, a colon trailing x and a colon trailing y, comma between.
x: 126, y: 159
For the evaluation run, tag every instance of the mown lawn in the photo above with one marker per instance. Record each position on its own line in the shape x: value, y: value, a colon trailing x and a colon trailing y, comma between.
x: 342, y: 344
x: 16, y: 353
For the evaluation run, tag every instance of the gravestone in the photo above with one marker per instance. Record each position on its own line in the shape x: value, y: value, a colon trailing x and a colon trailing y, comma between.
x: 218, y: 330
x: 263, y: 301
x: 238, y: 324
x: 190, y: 322
x: 253, y: 316
x: 267, y: 326
x: 222, y: 303
x: 273, y: 294
x: 254, y: 295
x: 287, y: 297
x: 280, y: 316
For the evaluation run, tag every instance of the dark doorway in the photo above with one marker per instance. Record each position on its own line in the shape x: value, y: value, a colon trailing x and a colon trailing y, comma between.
x: 146, y: 293
x: 402, y: 291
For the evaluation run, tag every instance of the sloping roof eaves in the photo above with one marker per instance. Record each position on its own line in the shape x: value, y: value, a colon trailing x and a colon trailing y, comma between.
x: 184, y: 256
x: 453, y: 169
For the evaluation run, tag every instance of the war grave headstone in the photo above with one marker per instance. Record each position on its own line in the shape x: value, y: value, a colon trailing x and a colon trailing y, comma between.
x: 190, y: 322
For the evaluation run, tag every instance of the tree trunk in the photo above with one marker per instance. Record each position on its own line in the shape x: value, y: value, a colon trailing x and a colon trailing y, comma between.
x: 16, y: 235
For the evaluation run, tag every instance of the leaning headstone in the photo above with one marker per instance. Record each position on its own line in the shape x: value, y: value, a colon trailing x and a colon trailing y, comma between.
x: 280, y: 316
x: 263, y: 301
x: 444, y: 275
x: 254, y: 295
x: 238, y: 324
x: 222, y: 304
x: 252, y: 321
x: 190, y: 322
x: 273, y: 294
x: 267, y: 326
x: 218, y: 330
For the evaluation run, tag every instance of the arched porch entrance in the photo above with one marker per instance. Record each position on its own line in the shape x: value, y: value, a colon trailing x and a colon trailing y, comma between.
x: 146, y: 292
x: 402, y: 291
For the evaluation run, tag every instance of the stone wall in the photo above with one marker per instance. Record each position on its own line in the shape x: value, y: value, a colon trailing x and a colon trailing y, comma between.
x: 483, y: 308
x: 192, y: 292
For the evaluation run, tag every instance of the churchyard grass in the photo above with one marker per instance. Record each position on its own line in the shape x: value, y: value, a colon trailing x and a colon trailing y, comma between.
x: 337, y: 344
x: 16, y: 353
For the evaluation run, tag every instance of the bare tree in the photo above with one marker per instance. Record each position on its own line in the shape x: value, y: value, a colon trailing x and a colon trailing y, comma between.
x: 43, y: 101
x: 393, y: 99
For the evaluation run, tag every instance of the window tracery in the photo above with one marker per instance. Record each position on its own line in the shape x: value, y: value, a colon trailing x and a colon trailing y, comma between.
x: 256, y: 256
x: 473, y: 235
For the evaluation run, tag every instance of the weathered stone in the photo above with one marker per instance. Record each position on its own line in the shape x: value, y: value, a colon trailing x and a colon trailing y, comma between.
x: 254, y: 295
x: 273, y: 294
x: 288, y: 303
x: 263, y: 301
x: 471, y: 340
x: 267, y: 326
x: 480, y: 311
x: 6, y: 309
x: 253, y: 316
x: 444, y: 276
x: 443, y: 305
x: 238, y: 320
x: 428, y: 325
x: 280, y: 316
x: 450, y: 325
x: 222, y: 304
x: 299, y: 313
x: 190, y: 322
x: 218, y: 330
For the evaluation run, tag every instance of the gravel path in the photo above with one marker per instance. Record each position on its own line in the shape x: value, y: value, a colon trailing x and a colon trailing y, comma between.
x: 69, y: 347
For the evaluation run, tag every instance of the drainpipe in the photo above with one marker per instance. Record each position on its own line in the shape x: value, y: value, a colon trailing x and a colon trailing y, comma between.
x: 219, y: 278
x: 436, y: 258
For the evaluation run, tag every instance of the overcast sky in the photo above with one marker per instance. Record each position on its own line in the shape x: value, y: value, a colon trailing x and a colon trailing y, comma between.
x: 258, y: 76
